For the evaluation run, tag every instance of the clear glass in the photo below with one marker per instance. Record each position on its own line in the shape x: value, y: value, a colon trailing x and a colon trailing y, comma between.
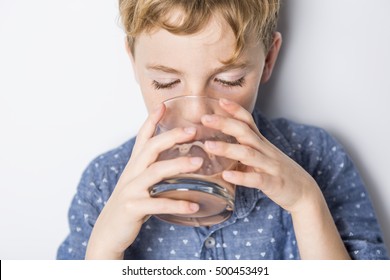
x: 205, y: 186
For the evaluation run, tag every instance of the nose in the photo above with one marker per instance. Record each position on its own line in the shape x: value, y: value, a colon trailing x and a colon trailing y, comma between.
x: 199, y: 101
x: 191, y: 108
x: 187, y: 110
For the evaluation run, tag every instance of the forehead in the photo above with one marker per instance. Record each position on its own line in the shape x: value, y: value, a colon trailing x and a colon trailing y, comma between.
x: 211, y: 47
x: 216, y: 34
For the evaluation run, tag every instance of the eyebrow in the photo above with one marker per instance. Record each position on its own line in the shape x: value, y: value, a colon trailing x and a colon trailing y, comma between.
x: 224, y: 68
x: 163, y: 68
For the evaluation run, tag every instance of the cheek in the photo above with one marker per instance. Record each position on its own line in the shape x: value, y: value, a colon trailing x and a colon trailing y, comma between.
x: 248, y: 95
x: 252, y: 92
x: 247, y: 99
x: 149, y: 102
x: 151, y: 99
x: 251, y: 103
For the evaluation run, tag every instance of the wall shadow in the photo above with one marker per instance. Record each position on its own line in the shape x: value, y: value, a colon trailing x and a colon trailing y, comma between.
x: 267, y: 93
x: 266, y: 101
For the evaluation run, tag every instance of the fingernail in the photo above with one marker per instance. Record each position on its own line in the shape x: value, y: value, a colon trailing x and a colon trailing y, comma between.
x: 228, y: 174
x: 194, y: 207
x: 190, y: 130
x: 209, y: 118
x: 196, y: 160
x: 211, y: 145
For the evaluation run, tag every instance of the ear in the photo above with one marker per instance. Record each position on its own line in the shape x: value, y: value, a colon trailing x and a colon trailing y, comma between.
x: 131, y: 56
x: 271, y: 57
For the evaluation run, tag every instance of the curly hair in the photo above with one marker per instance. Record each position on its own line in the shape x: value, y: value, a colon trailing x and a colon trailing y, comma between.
x: 245, y: 17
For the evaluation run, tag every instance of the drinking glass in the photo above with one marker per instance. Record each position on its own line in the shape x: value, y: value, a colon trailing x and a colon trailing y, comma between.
x: 205, y: 186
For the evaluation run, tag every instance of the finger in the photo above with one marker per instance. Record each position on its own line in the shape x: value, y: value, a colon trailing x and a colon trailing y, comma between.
x: 261, y: 181
x: 239, y: 113
x: 236, y: 128
x: 148, y: 128
x: 169, y: 206
x: 166, y: 169
x: 242, y: 153
x: 162, y: 142
x: 152, y: 148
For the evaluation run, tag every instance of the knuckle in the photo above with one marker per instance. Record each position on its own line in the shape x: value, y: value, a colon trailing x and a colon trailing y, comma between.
x: 276, y: 167
x: 243, y: 130
x: 129, y: 206
x: 248, y: 152
x: 247, y: 117
x: 259, y: 179
x: 227, y: 149
x: 155, y: 170
x: 132, y: 208
x: 279, y: 181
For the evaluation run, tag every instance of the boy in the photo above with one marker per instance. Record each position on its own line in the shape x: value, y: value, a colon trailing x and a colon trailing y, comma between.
x: 298, y: 194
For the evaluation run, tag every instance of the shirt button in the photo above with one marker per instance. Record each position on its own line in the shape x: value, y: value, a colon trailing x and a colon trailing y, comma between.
x: 209, y: 243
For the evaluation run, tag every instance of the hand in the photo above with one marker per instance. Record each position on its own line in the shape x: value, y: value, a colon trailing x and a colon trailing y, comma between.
x: 130, y: 203
x: 265, y: 167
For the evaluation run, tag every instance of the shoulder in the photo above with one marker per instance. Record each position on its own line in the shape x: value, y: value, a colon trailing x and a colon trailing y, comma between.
x: 114, y: 157
x: 305, y: 138
x: 295, y: 139
x: 315, y: 149
x: 295, y: 132
x: 104, y: 170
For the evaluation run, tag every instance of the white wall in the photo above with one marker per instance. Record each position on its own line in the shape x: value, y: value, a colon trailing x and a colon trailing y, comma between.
x: 67, y: 94
x: 334, y: 72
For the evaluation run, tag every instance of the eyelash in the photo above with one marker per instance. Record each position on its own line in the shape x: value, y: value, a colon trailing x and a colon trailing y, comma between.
x: 238, y: 83
x: 158, y: 85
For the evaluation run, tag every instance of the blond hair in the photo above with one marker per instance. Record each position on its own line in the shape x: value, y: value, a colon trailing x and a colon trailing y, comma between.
x: 245, y: 17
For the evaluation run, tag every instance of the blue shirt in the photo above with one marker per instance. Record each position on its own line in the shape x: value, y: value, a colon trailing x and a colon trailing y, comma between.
x: 258, y: 228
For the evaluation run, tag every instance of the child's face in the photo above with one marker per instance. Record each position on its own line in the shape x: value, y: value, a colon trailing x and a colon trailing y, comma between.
x: 168, y: 65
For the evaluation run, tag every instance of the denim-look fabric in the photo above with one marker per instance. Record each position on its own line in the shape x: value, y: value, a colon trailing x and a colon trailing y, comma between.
x: 258, y: 228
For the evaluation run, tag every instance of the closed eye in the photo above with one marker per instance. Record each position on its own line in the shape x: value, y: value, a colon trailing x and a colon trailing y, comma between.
x: 237, y: 83
x: 169, y: 85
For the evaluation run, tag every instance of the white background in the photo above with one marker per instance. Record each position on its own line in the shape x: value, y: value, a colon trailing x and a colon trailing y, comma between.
x: 67, y: 94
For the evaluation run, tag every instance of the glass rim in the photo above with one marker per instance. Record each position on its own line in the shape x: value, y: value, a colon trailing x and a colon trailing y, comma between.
x: 190, y: 97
